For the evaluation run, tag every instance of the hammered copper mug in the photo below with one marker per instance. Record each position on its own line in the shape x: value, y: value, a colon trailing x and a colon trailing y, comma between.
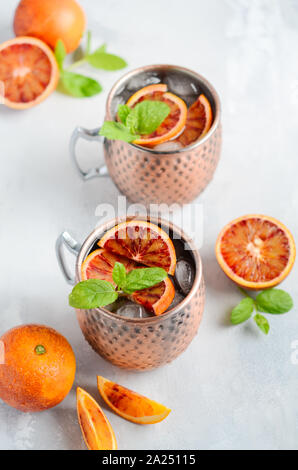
x: 147, y: 175
x: 137, y: 343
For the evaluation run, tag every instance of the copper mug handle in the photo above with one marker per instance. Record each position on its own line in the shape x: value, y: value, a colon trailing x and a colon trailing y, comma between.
x: 86, y: 134
x: 65, y: 240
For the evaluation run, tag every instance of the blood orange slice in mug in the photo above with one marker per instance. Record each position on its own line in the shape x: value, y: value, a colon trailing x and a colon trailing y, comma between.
x: 131, y: 405
x: 142, y: 242
x: 174, y: 122
x: 28, y: 72
x: 198, y: 121
x: 256, y: 251
x: 100, y: 263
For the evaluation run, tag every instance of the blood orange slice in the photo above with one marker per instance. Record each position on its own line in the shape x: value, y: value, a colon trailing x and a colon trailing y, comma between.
x: 99, y: 265
x: 198, y: 121
x: 174, y: 122
x: 143, y: 242
x: 28, y: 72
x: 157, y: 299
x: 131, y: 405
x: 256, y: 251
x: 96, y: 429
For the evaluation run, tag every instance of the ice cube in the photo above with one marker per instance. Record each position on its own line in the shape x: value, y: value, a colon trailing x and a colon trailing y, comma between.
x: 170, y: 146
x: 184, y: 275
x: 183, y: 86
x: 132, y: 310
x: 177, y: 300
x: 141, y: 80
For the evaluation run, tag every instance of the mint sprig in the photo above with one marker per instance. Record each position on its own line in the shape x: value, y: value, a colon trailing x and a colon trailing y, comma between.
x: 143, y: 119
x: 94, y: 293
x: 272, y: 301
x: 79, y: 85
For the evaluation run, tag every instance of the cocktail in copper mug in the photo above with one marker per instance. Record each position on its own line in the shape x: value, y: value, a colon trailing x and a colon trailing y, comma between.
x: 146, y: 342
x: 147, y: 175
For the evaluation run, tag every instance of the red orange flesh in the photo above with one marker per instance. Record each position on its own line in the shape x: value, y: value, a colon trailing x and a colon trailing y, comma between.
x: 28, y: 72
x: 198, y: 122
x: 256, y: 251
x: 142, y: 242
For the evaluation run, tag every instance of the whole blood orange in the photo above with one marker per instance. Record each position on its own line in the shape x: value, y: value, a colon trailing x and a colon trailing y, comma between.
x: 50, y: 20
x: 38, y: 367
x: 256, y: 251
x: 28, y: 72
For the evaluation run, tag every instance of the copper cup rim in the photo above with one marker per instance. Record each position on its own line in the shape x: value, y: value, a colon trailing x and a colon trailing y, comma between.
x: 201, y: 78
x: 97, y: 233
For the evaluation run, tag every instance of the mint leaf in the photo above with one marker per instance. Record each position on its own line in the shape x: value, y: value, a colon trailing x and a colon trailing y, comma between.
x: 102, y: 60
x: 275, y: 301
x: 60, y: 53
x: 242, y: 311
x: 117, y: 131
x: 102, y: 48
x: 262, y: 323
x: 79, y: 85
x: 132, y: 122
x: 150, y: 115
x: 88, y: 48
x: 92, y: 293
x: 123, y: 112
x: 142, y: 278
x: 119, y: 274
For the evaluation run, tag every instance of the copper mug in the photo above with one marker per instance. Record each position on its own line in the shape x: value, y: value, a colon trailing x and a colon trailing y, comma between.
x: 142, y: 343
x: 147, y: 175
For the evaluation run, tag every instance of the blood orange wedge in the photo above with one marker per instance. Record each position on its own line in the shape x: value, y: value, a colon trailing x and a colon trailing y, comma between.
x: 174, y: 122
x: 131, y: 405
x: 99, y: 265
x: 256, y: 251
x: 143, y: 242
x: 198, y: 121
x: 28, y: 72
x: 96, y: 429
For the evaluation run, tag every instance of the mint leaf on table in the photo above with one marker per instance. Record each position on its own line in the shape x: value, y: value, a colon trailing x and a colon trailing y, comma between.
x: 105, y: 61
x: 60, y: 53
x: 275, y: 301
x: 242, y: 311
x: 117, y: 131
x: 272, y: 301
x: 119, y: 275
x: 262, y: 323
x: 143, y: 278
x: 92, y: 293
x: 80, y: 85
